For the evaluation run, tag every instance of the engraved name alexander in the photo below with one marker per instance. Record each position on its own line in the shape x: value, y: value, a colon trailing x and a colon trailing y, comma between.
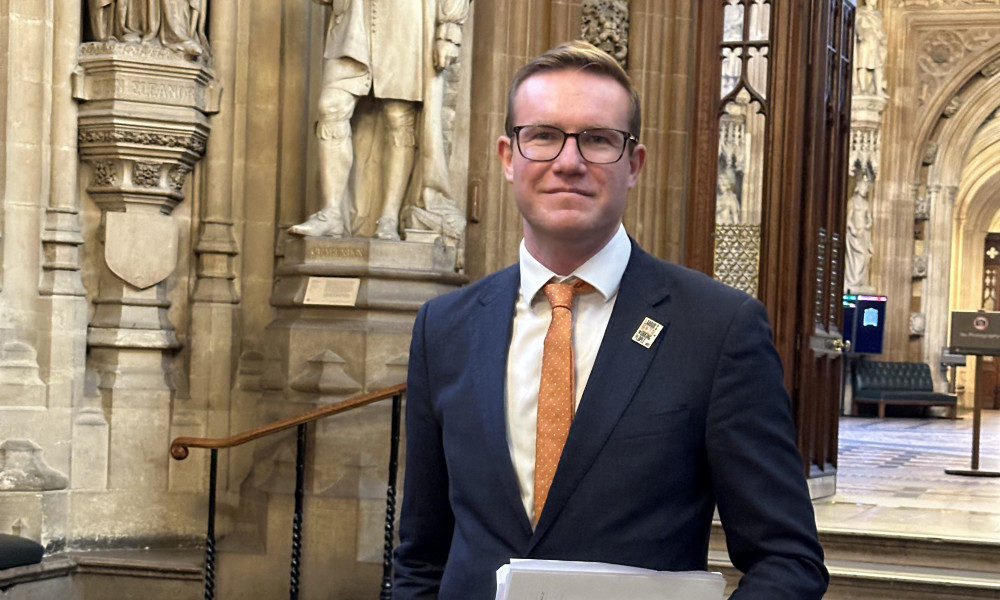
x: 147, y: 89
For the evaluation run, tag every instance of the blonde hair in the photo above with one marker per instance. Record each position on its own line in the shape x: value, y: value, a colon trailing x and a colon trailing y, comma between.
x: 583, y: 56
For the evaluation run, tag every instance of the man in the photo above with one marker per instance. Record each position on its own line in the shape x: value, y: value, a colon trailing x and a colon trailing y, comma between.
x: 679, y: 398
x: 376, y: 46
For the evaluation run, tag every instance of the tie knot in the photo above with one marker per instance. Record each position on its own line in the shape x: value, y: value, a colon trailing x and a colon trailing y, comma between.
x: 560, y: 295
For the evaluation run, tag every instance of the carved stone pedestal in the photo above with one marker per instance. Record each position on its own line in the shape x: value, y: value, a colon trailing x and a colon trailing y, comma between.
x: 345, y: 312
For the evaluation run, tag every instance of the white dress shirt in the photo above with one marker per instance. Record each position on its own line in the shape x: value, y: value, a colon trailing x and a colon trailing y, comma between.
x: 531, y: 322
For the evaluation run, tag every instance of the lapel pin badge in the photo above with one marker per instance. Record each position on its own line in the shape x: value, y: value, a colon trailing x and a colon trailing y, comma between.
x: 647, y: 332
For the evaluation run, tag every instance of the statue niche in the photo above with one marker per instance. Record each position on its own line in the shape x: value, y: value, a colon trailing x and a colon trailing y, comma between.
x: 400, y: 69
x: 870, y: 49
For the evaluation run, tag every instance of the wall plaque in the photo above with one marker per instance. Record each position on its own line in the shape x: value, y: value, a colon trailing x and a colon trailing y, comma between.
x: 332, y: 291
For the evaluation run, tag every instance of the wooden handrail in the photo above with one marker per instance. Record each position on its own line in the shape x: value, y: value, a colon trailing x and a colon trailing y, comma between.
x: 179, y: 447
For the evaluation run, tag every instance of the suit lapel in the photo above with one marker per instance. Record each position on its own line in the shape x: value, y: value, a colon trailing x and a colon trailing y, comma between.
x: 491, y: 342
x: 618, y: 370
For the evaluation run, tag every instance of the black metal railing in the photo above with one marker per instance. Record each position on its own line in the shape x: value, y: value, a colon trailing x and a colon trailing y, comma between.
x: 179, y: 449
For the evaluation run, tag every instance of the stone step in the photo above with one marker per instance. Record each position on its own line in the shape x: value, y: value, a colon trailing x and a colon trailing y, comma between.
x: 857, y: 580
x: 876, y: 581
x: 166, y: 574
x: 877, y: 565
x: 912, y: 550
x: 905, y: 549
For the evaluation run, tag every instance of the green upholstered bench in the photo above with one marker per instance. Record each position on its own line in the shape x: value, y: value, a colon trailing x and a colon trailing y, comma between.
x: 901, y: 383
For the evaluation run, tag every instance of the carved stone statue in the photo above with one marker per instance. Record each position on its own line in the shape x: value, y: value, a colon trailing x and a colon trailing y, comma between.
x: 859, y: 235
x: 176, y: 24
x: 604, y: 23
x: 384, y: 57
x: 182, y: 25
x: 870, y: 51
x: 727, y: 204
x: 103, y: 15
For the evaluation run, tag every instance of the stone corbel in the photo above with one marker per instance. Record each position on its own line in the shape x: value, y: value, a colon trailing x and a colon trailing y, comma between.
x: 20, y: 384
x: 930, y: 153
x: 327, y: 376
x: 866, y: 111
x: 922, y: 204
x: 22, y: 469
x: 920, y: 266
x: 991, y: 69
x: 953, y: 106
x: 392, y: 372
x: 143, y: 124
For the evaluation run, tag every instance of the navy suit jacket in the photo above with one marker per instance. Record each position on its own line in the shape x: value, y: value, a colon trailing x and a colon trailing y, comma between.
x: 661, y: 436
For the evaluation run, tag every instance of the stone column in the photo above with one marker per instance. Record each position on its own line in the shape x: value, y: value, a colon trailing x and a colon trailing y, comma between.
x: 39, y: 238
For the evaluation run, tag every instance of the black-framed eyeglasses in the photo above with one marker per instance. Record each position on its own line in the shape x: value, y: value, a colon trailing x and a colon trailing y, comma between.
x: 544, y: 143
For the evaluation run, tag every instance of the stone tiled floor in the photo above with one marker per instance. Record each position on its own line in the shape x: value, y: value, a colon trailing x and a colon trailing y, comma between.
x: 891, y: 478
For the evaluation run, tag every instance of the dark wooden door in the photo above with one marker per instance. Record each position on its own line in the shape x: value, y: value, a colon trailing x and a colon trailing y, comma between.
x: 790, y: 179
x: 818, y: 371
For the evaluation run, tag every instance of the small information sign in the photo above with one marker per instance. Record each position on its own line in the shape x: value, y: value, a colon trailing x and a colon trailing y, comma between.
x: 975, y: 332
x: 332, y: 291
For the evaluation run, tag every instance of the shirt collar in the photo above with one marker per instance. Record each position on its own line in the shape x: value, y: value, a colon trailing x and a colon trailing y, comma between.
x: 603, y: 271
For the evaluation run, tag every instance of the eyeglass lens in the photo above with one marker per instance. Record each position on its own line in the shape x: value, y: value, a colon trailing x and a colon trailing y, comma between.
x: 544, y: 142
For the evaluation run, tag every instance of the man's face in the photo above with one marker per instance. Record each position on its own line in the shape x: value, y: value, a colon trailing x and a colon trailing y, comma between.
x: 569, y: 200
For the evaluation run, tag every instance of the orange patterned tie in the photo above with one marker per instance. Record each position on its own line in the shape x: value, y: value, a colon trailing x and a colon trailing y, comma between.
x: 555, y: 394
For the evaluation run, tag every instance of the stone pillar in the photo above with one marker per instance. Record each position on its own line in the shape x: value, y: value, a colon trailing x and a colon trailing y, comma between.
x: 40, y: 286
x: 143, y: 125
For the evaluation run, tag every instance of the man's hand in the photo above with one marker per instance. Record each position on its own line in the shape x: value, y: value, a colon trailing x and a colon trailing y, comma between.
x: 445, y: 53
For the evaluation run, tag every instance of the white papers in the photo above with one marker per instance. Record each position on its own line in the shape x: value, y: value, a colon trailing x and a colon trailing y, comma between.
x: 568, y: 580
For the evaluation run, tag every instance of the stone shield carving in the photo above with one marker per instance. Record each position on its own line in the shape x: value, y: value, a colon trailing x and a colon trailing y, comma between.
x: 140, y: 248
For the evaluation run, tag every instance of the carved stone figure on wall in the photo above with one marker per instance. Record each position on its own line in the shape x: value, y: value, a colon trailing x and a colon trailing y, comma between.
x: 384, y: 57
x: 727, y: 204
x: 176, y: 24
x: 182, y: 25
x: 102, y: 18
x: 604, y: 23
x: 870, y: 49
x: 859, y: 235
